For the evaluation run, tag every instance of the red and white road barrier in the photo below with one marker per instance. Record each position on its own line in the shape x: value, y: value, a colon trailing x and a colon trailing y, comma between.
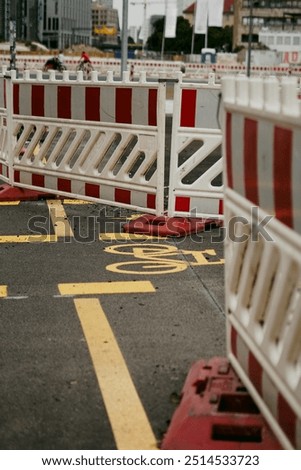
x: 105, y: 140
x: 97, y: 140
x: 263, y: 246
x: 105, y: 102
x: 195, y: 186
x: 193, y: 71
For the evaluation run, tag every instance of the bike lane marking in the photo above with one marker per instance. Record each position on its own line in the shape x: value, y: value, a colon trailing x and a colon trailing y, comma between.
x: 159, y: 259
x: 130, y: 425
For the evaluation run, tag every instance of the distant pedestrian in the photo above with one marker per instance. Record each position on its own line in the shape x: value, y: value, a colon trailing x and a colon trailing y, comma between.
x: 61, y: 57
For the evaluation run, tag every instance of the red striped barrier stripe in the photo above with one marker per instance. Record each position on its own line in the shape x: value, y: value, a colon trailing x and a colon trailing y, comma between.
x: 283, y: 413
x: 204, y: 204
x: 262, y: 165
x: 104, y: 192
x: 196, y: 104
x: 105, y: 103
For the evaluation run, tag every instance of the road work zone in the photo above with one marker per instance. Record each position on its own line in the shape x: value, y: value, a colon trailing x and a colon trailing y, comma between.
x: 142, y: 326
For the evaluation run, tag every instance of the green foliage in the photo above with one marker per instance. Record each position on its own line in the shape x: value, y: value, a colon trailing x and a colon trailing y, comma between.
x: 218, y: 38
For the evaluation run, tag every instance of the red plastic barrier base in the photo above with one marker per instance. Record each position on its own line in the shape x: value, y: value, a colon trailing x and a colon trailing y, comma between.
x: 10, y: 193
x: 216, y: 412
x: 163, y: 226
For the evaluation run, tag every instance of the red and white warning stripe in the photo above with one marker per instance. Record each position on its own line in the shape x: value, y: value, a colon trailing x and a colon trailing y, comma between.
x: 283, y: 413
x: 262, y: 152
x: 264, y: 165
x: 102, y: 103
x: 197, y: 205
x: 199, y: 107
x: 101, y: 192
x: 195, y: 120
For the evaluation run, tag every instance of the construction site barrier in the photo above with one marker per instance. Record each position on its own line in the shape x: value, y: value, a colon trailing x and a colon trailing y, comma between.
x: 195, y: 182
x: 96, y: 140
x: 152, y: 67
x: 263, y: 246
x: 104, y: 140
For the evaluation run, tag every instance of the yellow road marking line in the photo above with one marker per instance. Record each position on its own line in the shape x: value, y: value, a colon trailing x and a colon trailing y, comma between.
x: 127, y: 416
x: 134, y: 216
x: 27, y: 238
x: 126, y: 236
x: 59, y: 218
x: 98, y: 288
x: 3, y: 291
x: 76, y: 201
x: 9, y: 203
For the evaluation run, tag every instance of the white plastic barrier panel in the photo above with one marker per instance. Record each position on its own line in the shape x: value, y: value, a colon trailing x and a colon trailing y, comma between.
x: 94, y: 140
x: 262, y: 147
x: 195, y: 180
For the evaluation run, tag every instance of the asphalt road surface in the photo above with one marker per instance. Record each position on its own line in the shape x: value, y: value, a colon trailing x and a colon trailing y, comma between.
x: 98, y: 331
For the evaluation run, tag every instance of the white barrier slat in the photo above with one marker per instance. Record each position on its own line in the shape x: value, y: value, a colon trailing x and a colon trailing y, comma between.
x: 2, y: 93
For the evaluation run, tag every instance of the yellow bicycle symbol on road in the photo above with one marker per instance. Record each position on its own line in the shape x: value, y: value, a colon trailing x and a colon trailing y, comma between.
x: 159, y: 259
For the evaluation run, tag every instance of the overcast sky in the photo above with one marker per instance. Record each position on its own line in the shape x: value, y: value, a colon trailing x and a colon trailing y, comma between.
x: 136, y: 12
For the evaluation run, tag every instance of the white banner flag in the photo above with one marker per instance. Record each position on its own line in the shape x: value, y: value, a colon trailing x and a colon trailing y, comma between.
x: 201, y: 17
x: 170, y: 19
x: 215, y: 13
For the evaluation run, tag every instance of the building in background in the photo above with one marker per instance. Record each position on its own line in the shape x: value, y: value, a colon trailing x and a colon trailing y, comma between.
x: 66, y: 23
x: 288, y: 44
x: 134, y: 32
x: 274, y: 15
x: 105, y: 3
x: 17, y: 10
x: 105, y: 24
x: 55, y: 23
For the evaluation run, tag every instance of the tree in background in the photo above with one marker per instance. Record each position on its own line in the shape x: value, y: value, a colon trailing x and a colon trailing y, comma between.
x: 218, y: 38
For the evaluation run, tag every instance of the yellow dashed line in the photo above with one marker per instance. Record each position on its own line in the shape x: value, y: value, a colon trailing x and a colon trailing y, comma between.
x: 9, y: 203
x: 134, y: 216
x: 127, y: 416
x: 76, y: 201
x: 27, y: 238
x: 126, y: 236
x: 3, y: 291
